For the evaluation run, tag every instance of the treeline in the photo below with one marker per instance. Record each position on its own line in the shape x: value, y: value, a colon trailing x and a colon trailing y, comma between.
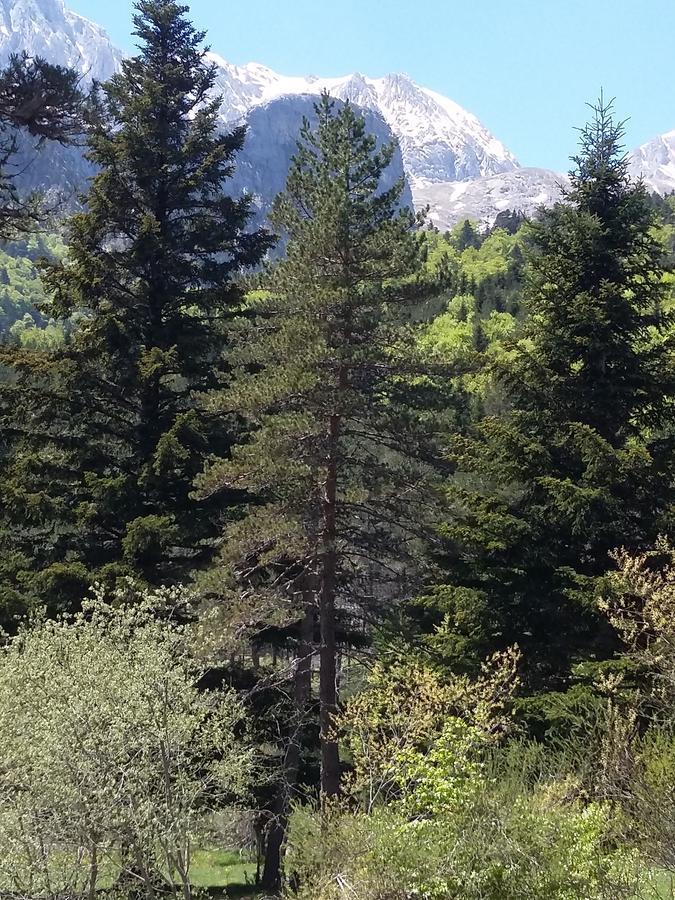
x: 378, y: 528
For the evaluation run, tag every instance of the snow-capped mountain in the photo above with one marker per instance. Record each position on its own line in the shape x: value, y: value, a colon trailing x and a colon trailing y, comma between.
x: 452, y: 162
x: 654, y: 162
x: 439, y: 140
x: 49, y: 29
x: 527, y: 189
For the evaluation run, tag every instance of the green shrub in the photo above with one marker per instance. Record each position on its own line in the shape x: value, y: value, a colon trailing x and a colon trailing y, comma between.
x: 111, y: 758
x: 491, y: 848
x: 463, y: 817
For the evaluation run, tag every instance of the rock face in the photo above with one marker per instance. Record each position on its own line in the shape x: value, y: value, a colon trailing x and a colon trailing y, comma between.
x: 654, y: 162
x: 439, y: 140
x: 523, y: 190
x: 261, y: 166
x: 47, y: 28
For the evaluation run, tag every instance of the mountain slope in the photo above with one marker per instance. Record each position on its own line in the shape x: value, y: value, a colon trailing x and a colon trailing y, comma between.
x: 655, y: 163
x: 48, y: 28
x: 523, y: 190
x: 526, y: 189
x: 439, y: 140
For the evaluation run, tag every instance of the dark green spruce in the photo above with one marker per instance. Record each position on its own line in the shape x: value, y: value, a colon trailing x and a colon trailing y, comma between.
x: 581, y: 463
x: 106, y: 436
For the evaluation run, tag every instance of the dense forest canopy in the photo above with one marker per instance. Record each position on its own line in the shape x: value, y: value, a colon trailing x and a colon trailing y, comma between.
x: 344, y: 546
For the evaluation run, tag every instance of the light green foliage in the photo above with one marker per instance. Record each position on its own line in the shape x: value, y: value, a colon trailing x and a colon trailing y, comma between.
x: 479, y: 260
x: 450, y: 335
x: 458, y: 815
x: 463, y: 336
x: 491, y: 258
x: 27, y: 332
x: 439, y: 780
x: 23, y: 302
x: 407, y: 711
x: 484, y: 844
x: 481, y: 316
x: 111, y: 756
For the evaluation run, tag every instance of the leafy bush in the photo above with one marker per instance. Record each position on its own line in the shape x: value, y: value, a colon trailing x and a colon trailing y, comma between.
x: 639, y: 756
x: 111, y: 756
x: 486, y: 845
x: 407, y: 707
x: 441, y: 810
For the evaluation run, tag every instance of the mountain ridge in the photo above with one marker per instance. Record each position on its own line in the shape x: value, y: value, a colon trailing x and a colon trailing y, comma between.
x: 654, y: 161
x: 48, y: 28
x: 440, y: 141
x: 451, y: 160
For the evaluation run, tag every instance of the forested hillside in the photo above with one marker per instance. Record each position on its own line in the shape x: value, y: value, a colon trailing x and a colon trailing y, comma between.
x: 336, y: 555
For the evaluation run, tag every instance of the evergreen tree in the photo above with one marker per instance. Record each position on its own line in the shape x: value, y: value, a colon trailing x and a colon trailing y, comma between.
x: 467, y: 236
x: 336, y: 454
x: 41, y: 102
x: 106, y: 437
x: 582, y: 462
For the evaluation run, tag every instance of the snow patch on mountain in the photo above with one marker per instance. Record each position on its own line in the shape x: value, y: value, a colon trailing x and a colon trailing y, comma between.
x: 439, y: 140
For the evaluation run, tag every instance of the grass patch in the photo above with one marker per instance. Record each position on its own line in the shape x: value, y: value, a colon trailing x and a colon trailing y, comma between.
x: 657, y: 885
x: 665, y: 886
x: 222, y: 873
x: 223, y: 869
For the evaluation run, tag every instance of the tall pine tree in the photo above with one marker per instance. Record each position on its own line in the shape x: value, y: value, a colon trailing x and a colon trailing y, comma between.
x: 336, y: 457
x: 582, y: 461
x: 106, y: 436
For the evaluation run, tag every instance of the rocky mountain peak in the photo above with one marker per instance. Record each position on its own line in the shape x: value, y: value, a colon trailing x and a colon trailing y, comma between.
x: 654, y: 162
x: 358, y: 90
x: 48, y: 28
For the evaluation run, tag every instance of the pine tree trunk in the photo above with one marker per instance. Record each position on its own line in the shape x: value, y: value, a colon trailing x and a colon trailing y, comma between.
x: 302, y: 691
x: 330, y: 758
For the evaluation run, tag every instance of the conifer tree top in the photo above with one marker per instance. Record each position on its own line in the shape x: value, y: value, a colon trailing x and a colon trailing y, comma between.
x: 600, y: 173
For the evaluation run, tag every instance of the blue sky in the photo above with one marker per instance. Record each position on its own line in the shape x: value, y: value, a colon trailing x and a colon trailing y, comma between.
x: 524, y: 67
